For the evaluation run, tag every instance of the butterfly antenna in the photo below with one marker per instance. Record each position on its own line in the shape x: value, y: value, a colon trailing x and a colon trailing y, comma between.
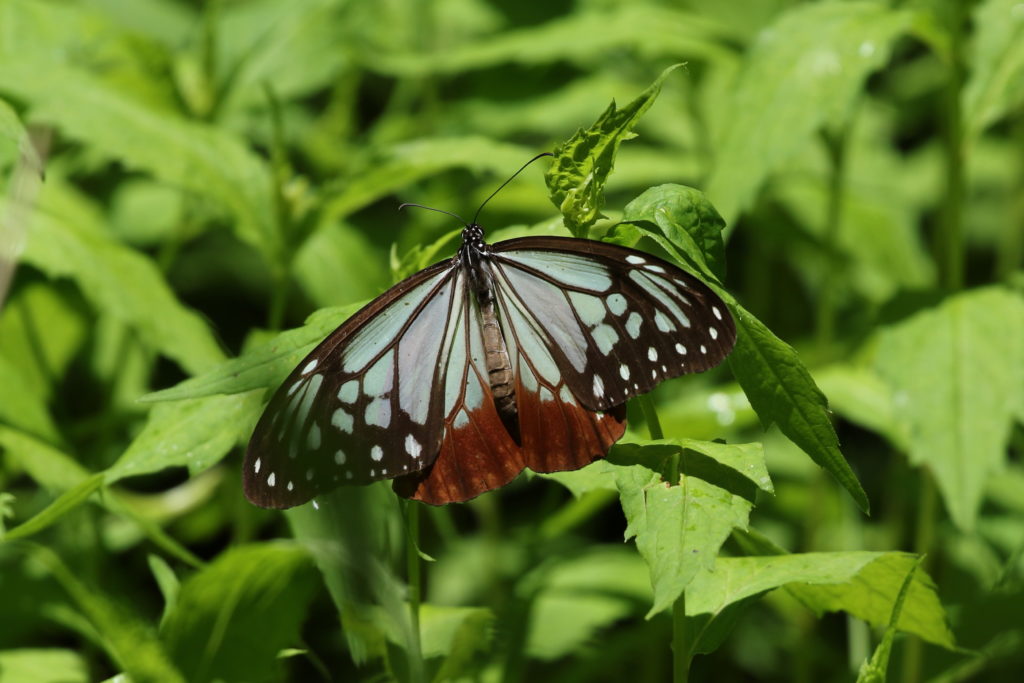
x: 543, y: 154
x: 430, y: 208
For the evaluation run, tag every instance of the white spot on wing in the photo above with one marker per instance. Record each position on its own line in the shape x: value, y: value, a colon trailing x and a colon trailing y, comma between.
x: 349, y: 391
x: 376, y: 453
x: 605, y: 337
x: 703, y: 349
x: 713, y: 332
x: 339, y: 457
x: 598, y: 387
x: 271, y: 480
x: 635, y: 260
x: 313, y: 441
x: 412, y: 446
x: 633, y: 325
x: 624, y: 371
x: 291, y: 486
x: 680, y: 349
x: 655, y: 269
x: 652, y: 354
x: 718, y: 313
x: 309, y: 367
x: 663, y: 323
x: 342, y: 420
x: 256, y: 466
x: 378, y: 413
x: 617, y: 303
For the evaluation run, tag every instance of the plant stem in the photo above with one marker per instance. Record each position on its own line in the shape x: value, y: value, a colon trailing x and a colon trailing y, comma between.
x: 412, y: 558
x: 950, y: 237
x: 682, y: 631
x: 651, y: 417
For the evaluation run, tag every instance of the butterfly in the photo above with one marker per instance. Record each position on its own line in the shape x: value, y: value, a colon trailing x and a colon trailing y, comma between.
x: 510, y: 355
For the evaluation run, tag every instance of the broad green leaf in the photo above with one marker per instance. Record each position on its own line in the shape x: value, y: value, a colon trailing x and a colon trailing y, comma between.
x: 783, y: 392
x: 957, y: 376
x: 266, y: 365
x: 687, y: 219
x: 11, y: 135
x: 41, y: 359
x: 877, y: 236
x: 577, y: 176
x: 997, y: 64
x: 297, y: 46
x: 57, y: 472
x: 233, y: 616
x: 400, y: 165
x: 459, y: 634
x: 22, y: 407
x: 43, y: 665
x: 864, y: 584
x: 682, y: 498
x: 125, y: 635
x: 874, y: 670
x: 50, y: 467
x: 64, y: 503
x: 859, y: 395
x: 804, y: 72
x: 67, y: 241
x: 194, y: 433
x: 338, y: 265
x: 202, y: 159
x: 355, y: 535
x: 582, y: 594
x: 579, y: 36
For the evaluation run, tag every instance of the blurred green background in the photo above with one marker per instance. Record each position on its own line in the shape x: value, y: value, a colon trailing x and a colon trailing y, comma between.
x: 217, y: 171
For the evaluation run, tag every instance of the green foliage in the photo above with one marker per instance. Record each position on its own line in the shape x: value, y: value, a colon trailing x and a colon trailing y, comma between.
x: 846, y: 175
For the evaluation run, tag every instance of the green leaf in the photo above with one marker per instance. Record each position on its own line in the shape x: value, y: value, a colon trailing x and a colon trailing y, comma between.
x: 957, y: 376
x: 124, y: 634
x: 687, y: 219
x: 458, y: 634
x: 577, y: 176
x: 233, y: 616
x: 68, y: 241
x: 203, y: 159
x: 393, y: 168
x: 265, y: 365
x: 193, y: 433
x: 43, y: 665
x: 864, y: 584
x: 861, y: 396
x: 51, y: 468
x: 783, y: 392
x: 580, y: 37
x: 997, y: 64
x: 22, y: 407
x: 874, y: 671
x: 681, y: 498
x: 167, y: 581
x: 65, y: 502
x: 804, y: 72
x: 582, y: 594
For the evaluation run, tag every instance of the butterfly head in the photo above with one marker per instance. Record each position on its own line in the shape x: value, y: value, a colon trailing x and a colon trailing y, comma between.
x: 473, y: 235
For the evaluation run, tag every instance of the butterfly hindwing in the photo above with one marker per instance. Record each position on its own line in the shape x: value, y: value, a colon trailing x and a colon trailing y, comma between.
x: 616, y: 321
x: 361, y: 406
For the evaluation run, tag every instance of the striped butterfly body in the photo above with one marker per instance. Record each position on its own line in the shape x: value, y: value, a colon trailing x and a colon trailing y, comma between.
x: 512, y: 355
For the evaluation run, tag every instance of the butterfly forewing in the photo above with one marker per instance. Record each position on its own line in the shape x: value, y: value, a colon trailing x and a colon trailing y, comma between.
x: 615, y: 321
x: 361, y: 406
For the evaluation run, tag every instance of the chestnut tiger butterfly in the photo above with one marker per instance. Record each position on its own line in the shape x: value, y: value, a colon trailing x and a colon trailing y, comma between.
x: 510, y: 355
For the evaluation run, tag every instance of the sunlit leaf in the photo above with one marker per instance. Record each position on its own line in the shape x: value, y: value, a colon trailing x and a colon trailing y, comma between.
x: 957, y: 376
x: 997, y: 64
x: 233, y: 616
x: 43, y: 665
x: 804, y: 71
x: 783, y: 392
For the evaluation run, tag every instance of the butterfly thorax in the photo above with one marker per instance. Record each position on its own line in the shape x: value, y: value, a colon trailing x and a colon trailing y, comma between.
x: 474, y: 256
